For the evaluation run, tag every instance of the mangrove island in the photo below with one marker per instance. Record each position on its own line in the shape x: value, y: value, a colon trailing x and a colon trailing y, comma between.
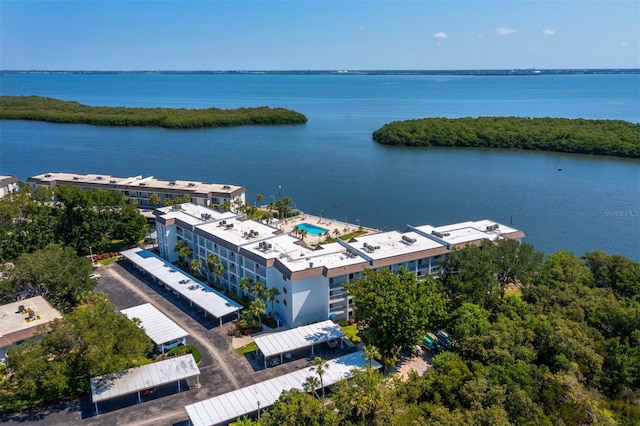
x: 38, y: 108
x: 578, y: 136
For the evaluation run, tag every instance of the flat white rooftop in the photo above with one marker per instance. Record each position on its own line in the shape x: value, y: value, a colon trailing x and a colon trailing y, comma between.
x: 193, y: 214
x: 239, y: 232
x: 16, y: 325
x: 184, y: 284
x: 156, y: 325
x: 147, y: 183
x: 299, y: 337
x: 393, y: 243
x: 230, y: 406
x: 470, y: 231
x: 147, y: 376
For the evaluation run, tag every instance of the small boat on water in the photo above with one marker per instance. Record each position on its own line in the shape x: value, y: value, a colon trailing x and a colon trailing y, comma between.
x: 559, y: 169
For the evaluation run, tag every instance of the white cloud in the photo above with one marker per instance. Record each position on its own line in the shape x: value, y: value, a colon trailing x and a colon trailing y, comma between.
x: 502, y: 31
x: 548, y: 32
x: 440, y: 36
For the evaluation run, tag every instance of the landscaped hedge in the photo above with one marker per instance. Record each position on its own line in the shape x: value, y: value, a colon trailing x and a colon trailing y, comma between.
x: 186, y: 349
x: 580, y: 136
x: 56, y: 111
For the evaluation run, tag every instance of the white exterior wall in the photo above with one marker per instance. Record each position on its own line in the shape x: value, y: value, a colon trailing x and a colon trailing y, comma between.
x: 4, y: 190
x: 309, y: 301
x: 167, y: 240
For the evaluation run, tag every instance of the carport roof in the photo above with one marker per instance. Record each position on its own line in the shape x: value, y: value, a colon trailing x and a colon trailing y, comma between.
x: 229, y: 406
x: 299, y: 337
x: 147, y: 376
x: 156, y: 325
x: 202, y: 295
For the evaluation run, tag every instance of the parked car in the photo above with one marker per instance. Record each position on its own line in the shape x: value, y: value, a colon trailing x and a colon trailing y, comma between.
x: 94, y: 276
x: 332, y: 343
x: 150, y: 391
x: 274, y: 361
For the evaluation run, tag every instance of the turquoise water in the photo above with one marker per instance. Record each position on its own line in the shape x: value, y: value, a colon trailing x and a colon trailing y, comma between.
x: 331, y: 164
x: 311, y: 229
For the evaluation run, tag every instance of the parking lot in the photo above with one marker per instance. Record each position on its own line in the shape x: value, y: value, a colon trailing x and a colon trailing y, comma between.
x: 222, y: 369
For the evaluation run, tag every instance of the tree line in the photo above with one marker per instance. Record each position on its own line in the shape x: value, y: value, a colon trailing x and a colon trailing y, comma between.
x: 42, y: 248
x: 82, y: 220
x: 536, y: 340
x: 57, y: 111
x: 578, y: 136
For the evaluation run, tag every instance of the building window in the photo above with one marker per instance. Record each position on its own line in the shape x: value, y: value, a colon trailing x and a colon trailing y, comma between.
x: 284, y: 301
x: 284, y: 290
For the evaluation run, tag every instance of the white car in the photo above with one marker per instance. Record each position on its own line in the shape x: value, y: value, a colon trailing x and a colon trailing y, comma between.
x: 94, y: 276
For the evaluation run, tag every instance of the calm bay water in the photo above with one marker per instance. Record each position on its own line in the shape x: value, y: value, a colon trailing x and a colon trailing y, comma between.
x: 331, y: 164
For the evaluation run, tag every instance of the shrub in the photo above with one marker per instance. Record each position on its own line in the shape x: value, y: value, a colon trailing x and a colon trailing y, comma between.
x: 186, y: 349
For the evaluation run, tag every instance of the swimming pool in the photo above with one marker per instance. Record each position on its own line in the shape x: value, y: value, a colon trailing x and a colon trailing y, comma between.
x: 311, y: 229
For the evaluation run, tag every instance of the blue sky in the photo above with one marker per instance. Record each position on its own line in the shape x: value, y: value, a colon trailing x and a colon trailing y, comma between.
x: 318, y: 35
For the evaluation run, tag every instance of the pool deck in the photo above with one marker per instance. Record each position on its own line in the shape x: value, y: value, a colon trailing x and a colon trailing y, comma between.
x: 331, y: 225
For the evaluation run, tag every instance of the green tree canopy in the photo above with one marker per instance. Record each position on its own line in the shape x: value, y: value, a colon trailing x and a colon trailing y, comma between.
x: 394, y: 311
x: 91, y: 340
x: 56, y: 273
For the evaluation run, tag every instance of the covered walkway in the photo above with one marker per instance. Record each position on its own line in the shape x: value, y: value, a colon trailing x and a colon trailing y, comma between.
x: 246, y: 401
x: 297, y: 338
x: 183, y: 284
x: 136, y: 380
x: 165, y: 333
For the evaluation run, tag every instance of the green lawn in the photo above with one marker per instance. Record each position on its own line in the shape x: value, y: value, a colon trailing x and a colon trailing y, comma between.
x: 105, y: 262
x: 247, y: 349
x: 351, y: 331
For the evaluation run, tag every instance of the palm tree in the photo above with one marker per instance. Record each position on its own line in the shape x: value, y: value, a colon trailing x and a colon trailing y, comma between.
x: 319, y: 365
x: 303, y: 234
x: 214, y: 266
x: 257, y: 308
x: 311, y: 384
x: 184, y: 251
x: 258, y: 289
x: 196, y: 264
x: 259, y: 198
x: 154, y: 199
x: 246, y: 284
x: 371, y: 353
x: 212, y: 260
x: 270, y: 294
x: 336, y: 232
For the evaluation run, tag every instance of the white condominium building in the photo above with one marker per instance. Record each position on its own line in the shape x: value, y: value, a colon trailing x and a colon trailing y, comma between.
x: 140, y: 188
x: 310, y: 280
x: 8, y: 184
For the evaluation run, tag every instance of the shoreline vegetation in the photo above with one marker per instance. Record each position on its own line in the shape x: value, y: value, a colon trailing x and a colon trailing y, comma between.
x: 615, y: 138
x: 51, y: 110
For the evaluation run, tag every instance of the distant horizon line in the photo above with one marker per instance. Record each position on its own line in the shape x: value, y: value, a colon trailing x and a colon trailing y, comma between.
x: 470, y: 71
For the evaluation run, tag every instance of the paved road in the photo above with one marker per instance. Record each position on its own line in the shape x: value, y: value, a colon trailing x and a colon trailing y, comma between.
x: 195, y: 334
x: 222, y: 370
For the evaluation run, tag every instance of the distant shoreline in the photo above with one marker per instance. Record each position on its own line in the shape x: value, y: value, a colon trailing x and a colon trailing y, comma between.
x: 478, y: 72
x: 51, y: 110
x: 614, y: 138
